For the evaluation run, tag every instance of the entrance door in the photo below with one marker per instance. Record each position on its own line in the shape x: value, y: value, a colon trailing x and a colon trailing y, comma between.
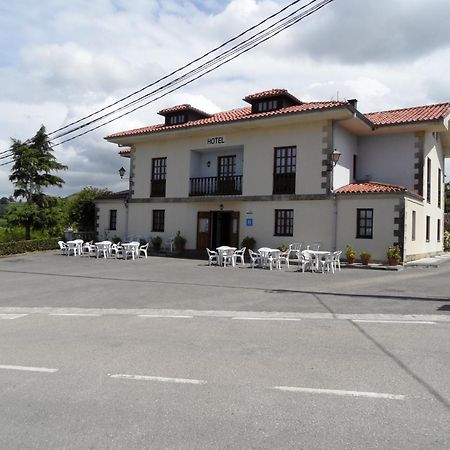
x: 216, y: 228
x: 203, y: 230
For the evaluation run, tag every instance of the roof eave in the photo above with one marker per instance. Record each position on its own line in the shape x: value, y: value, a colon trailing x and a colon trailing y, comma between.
x: 125, y: 140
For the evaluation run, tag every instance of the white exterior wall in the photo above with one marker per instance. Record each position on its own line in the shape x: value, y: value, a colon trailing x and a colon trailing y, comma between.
x: 384, y: 213
x: 312, y: 220
x: 257, y: 158
x: 347, y: 144
x: 433, y: 150
x: 103, y: 208
x: 388, y: 158
x: 414, y: 247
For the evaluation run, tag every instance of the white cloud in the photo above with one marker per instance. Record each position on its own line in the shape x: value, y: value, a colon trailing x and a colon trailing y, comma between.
x: 388, y: 54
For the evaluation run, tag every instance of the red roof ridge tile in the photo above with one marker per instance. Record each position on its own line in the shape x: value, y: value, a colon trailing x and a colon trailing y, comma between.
x: 368, y: 187
x: 406, y: 108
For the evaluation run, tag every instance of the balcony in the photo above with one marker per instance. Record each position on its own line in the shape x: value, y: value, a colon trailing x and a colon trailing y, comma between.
x: 284, y: 183
x: 204, y: 186
x: 158, y: 188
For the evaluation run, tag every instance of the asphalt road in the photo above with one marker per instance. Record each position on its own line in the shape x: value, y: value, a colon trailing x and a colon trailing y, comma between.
x: 170, y: 353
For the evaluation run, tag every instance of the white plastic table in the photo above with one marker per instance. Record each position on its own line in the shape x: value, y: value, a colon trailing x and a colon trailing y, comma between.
x: 317, y: 256
x: 130, y: 248
x: 103, y: 247
x: 225, y: 250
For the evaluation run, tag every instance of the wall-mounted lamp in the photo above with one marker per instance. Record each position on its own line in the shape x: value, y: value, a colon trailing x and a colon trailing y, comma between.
x: 122, y: 172
x: 334, y: 158
x: 208, y: 164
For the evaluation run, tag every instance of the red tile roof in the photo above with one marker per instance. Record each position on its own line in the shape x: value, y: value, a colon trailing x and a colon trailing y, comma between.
x: 183, y: 107
x: 378, y: 119
x: 269, y: 93
x: 272, y: 93
x: 125, y: 152
x: 410, y: 115
x: 369, y: 187
x: 232, y: 116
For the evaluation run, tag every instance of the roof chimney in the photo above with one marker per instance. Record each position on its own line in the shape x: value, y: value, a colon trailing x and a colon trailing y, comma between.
x: 353, y: 102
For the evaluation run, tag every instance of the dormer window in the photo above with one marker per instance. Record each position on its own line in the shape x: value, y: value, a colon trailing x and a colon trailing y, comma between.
x: 271, y: 100
x: 267, y: 105
x: 176, y: 119
x: 182, y: 114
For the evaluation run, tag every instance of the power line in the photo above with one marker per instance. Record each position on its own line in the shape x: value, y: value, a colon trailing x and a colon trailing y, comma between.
x: 293, y: 22
x: 260, y: 35
x: 7, y: 162
x: 237, y: 50
x: 179, y: 69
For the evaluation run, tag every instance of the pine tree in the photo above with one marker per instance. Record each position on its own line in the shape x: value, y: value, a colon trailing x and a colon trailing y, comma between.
x: 31, y: 173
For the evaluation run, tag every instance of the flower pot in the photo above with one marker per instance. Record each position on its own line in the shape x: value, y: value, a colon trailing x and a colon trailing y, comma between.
x: 365, y: 261
x: 350, y: 259
x: 393, y: 261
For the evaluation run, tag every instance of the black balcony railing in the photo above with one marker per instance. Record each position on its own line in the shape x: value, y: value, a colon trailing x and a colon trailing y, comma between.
x: 158, y: 188
x: 284, y: 183
x: 216, y: 186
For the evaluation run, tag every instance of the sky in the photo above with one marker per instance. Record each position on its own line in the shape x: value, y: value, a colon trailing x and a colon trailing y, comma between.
x: 60, y: 61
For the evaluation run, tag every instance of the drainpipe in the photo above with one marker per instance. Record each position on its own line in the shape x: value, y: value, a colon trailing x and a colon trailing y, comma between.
x: 334, y: 158
x: 335, y: 221
x: 126, y: 216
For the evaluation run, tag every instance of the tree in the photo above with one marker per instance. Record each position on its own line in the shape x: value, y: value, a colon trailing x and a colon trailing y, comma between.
x: 81, y: 208
x: 31, y: 173
x: 52, y: 218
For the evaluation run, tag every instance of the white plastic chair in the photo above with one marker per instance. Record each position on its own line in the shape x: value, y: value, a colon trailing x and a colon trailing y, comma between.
x: 116, y: 250
x: 85, y: 248
x: 169, y: 244
x: 284, y: 258
x: 307, y: 260
x: 315, y: 246
x: 295, y: 249
x: 255, y: 258
x: 273, y: 259
x: 213, y: 257
x: 304, y: 262
x: 337, y: 260
x: 326, y: 263
x: 63, y: 248
x: 239, y: 254
x: 143, y: 249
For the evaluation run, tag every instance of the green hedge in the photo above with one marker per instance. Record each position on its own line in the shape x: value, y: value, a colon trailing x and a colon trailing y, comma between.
x: 12, y: 248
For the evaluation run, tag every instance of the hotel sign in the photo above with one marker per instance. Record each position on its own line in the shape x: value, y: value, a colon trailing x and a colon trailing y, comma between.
x: 216, y: 140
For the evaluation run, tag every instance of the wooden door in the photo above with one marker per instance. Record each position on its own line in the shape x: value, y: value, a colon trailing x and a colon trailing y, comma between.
x: 203, y: 229
x: 234, y: 232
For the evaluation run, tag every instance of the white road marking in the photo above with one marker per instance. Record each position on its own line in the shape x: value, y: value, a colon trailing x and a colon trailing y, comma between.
x: 340, y: 392
x: 29, y: 369
x: 12, y: 316
x: 267, y: 318
x: 76, y: 314
x: 162, y: 316
x: 395, y: 321
x: 153, y: 378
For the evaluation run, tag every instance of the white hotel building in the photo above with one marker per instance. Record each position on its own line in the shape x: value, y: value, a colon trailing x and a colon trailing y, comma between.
x: 266, y: 171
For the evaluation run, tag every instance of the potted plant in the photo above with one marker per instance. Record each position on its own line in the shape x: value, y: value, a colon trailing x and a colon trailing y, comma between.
x: 350, y: 254
x: 248, y: 242
x: 156, y: 243
x: 283, y: 248
x: 180, y: 242
x: 365, y: 258
x: 393, y: 255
